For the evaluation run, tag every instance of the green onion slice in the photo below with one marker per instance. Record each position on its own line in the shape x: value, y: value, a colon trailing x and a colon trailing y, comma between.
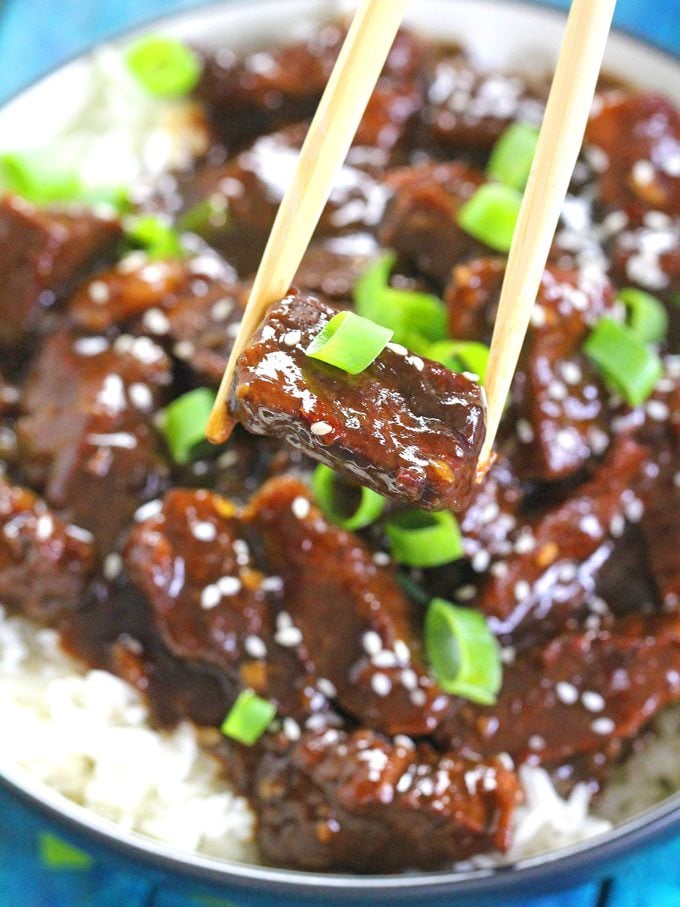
x: 627, y: 364
x: 647, y: 316
x: 163, y: 66
x: 415, y: 318
x: 55, y: 853
x: 349, y: 342
x: 345, y: 504
x: 491, y: 214
x: 184, y: 422
x: 461, y: 356
x: 513, y: 154
x: 154, y: 236
x: 248, y: 718
x: 421, y: 539
x: 463, y: 652
x: 211, y: 213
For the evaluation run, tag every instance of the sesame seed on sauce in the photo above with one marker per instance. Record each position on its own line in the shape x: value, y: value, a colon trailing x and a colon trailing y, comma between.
x: 272, y: 584
x: 288, y: 637
x: 524, y: 431
x: 141, y: 396
x: 90, y: 346
x: 566, y: 692
x: 617, y: 525
x: 229, y: 585
x: 156, y: 322
x: 292, y: 338
x: 592, y: 701
x: 466, y: 593
x: 658, y: 410
x: 112, y: 566
x: 381, y: 684
x: 398, y: 349
x: 418, y: 697
x: 371, y: 642
x: 522, y: 590
x: 300, y: 507
x: 536, y: 743
x: 643, y: 173
x: 481, y: 561
x: 327, y: 687
x: 255, y: 646
x: 602, y: 726
x: 571, y: 372
x: 291, y: 729
x: 210, y: 597
x: 408, y: 679
x: 99, y: 292
x: 148, y: 510
x: 320, y: 429
x: 381, y: 558
x: 204, y: 531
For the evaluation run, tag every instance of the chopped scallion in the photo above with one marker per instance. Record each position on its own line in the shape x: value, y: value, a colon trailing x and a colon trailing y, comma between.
x: 349, y: 342
x: 184, y: 422
x: 154, y: 236
x: 55, y: 853
x: 421, y: 539
x: 461, y: 356
x: 463, y: 653
x: 248, y: 718
x: 491, y: 215
x: 163, y: 66
x: 513, y: 154
x: 345, y: 504
x: 647, y: 316
x: 627, y: 364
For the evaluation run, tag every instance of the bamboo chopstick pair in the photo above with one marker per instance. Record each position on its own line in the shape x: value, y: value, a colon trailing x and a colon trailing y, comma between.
x: 330, y: 136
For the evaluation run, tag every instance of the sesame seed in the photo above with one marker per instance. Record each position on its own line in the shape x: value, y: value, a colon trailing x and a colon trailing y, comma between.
x: 566, y: 692
x: 141, y: 396
x: 384, y: 659
x: 397, y: 348
x: 184, y: 349
x: 288, y: 637
x: 409, y: 679
x: 602, y: 726
x: 617, y: 525
x: 657, y: 410
x: 524, y: 431
x: 524, y: 543
x: 643, y: 173
x: 522, y: 590
x: 221, y: 309
x: 210, y: 597
x: 481, y: 561
x: 320, y: 429
x: 146, y: 511
x: 418, y: 697
x: 327, y: 687
x: 229, y: 585
x: 634, y: 510
x: 291, y: 729
x: 90, y: 346
x: 204, y: 531
x: 255, y: 646
x: 300, y: 507
x: 571, y: 372
x: 404, y: 741
x: 402, y: 651
x: 371, y: 642
x: 381, y: 684
x: 156, y: 322
x: 500, y: 569
x: 466, y: 593
x: 381, y: 558
x: 536, y: 742
x: 508, y: 655
x: 292, y: 338
x: 592, y: 701
x: 113, y: 564
x: 272, y: 584
x: 99, y: 292
x: 416, y: 362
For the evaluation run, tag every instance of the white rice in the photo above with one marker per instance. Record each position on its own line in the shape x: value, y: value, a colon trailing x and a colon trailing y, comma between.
x: 86, y: 735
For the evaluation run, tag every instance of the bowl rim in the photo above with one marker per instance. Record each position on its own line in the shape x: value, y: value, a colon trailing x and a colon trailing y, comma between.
x: 567, y: 864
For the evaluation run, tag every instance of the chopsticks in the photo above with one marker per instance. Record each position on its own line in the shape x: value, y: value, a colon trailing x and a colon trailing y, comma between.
x: 330, y: 136
x: 560, y: 139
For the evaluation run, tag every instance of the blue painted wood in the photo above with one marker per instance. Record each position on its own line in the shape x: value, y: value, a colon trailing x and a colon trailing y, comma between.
x: 34, y: 37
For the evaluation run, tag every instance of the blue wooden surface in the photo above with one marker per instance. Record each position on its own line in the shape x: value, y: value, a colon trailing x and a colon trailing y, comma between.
x: 35, y: 35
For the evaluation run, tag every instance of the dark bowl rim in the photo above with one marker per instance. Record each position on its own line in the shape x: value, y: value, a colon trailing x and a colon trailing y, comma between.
x: 564, y: 865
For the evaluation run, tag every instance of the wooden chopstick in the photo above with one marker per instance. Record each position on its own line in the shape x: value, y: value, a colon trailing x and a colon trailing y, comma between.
x: 330, y: 136
x: 561, y: 136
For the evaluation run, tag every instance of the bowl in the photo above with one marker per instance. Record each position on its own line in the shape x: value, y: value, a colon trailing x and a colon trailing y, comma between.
x: 498, y: 34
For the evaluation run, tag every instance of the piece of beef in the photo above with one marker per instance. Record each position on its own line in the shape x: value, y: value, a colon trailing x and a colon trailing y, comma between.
x: 383, y: 136
x: 86, y: 436
x: 211, y: 603
x: 362, y: 803
x: 649, y: 255
x: 42, y: 254
x: 555, y: 556
x: 45, y: 564
x: 406, y: 427
x: 233, y: 205
x: 468, y: 110
x: 331, y: 268
x: 640, y: 134
x: 472, y: 297
x: 354, y: 620
x: 583, y: 693
x: 421, y: 220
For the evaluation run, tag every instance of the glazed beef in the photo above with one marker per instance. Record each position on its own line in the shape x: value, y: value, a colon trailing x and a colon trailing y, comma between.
x: 45, y: 564
x: 472, y: 296
x: 406, y: 427
x: 86, y: 437
x: 468, y: 110
x: 649, y: 255
x: 362, y: 803
x: 330, y: 268
x: 555, y: 557
x: 211, y: 603
x: 421, y: 223
x: 583, y: 693
x: 42, y: 254
x: 640, y: 134
x: 353, y: 619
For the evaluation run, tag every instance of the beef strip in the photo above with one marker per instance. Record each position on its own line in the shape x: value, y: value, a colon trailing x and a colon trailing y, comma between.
x: 405, y: 427
x: 355, y: 622
x: 472, y: 297
x: 469, y: 110
x: 421, y: 220
x: 330, y: 268
x: 45, y: 564
x: 583, y: 693
x: 211, y: 603
x: 648, y: 255
x: 86, y: 436
x: 556, y: 555
x: 640, y: 134
x: 362, y: 803
x: 42, y: 254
